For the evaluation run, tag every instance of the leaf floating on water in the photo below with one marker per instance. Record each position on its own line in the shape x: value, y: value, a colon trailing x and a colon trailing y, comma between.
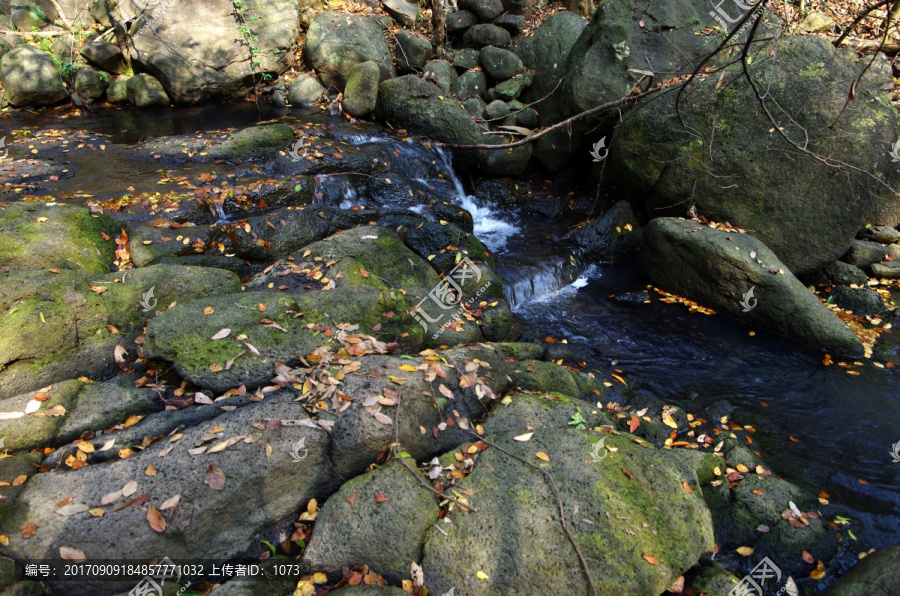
x: 668, y: 420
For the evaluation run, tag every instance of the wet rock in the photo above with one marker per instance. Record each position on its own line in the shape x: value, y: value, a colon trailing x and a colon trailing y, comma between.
x: 466, y: 59
x: 402, y: 11
x: 718, y: 268
x: 305, y: 91
x: 263, y: 490
x: 442, y: 73
x: 880, y: 234
x: 547, y: 52
x: 412, y: 51
x: 144, y: 91
x: 613, y: 236
x: 336, y: 42
x: 818, y: 217
x: 227, y: 70
x: 59, y: 327
x: 470, y: 84
x: 859, y: 301
x: 255, y: 142
x: 386, y: 535
x: 36, y: 236
x: 361, y: 93
x: 500, y: 64
x: 863, y: 253
x: 516, y: 505
x: 712, y: 579
x: 870, y: 577
x: 478, y: 36
x: 104, y: 55
x: 486, y: 10
x: 460, y: 20
x: 504, y: 162
x: 90, y: 85
x: 30, y: 77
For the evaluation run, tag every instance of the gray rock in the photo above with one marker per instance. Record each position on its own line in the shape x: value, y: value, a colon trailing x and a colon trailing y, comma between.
x: 386, y: 536
x: 466, y: 58
x: 881, y: 234
x: 870, y: 577
x: 718, y: 268
x: 100, y: 12
x: 843, y: 274
x: 145, y: 91
x: 361, y: 92
x: 818, y: 216
x: 512, y: 88
x: 443, y: 73
x: 516, y: 505
x: 504, y: 162
x: 486, y: 10
x: 227, y: 70
x: 475, y: 106
x: 412, y: 51
x: 525, y: 116
x: 309, y: 9
x: 30, y: 77
x: 511, y: 22
x: 859, y: 301
x: 104, y: 55
x: 496, y: 110
x: 863, y: 253
x: 63, y: 47
x: 894, y: 251
x: 613, y: 236
x: 478, y: 36
x: 402, y: 11
x: 470, y: 84
x: 117, y: 92
x: 816, y: 21
x: 500, y: 64
x: 888, y: 270
x: 90, y: 85
x: 460, y: 20
x: 8, y: 43
x: 261, y: 495
x: 28, y: 16
x: 518, y: 7
x: 305, y: 91
x: 336, y: 42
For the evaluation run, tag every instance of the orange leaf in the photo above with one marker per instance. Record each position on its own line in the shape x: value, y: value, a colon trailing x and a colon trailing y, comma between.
x: 352, y: 498
x: 633, y: 424
x: 649, y: 558
x: 542, y: 455
x: 380, y: 497
x: 156, y: 519
x: 29, y: 530
x: 687, y: 486
x: 807, y: 557
x: 627, y: 473
x: 363, y: 272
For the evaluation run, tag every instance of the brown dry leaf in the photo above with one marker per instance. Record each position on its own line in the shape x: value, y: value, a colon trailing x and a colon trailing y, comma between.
x: 742, y: 468
x: 129, y: 489
x: 807, y: 557
x: 20, y: 480
x: 215, y: 478
x: 170, y: 503
x: 156, y: 519
x: 352, y: 498
x: 84, y: 446
x: 649, y: 558
x: 380, y: 497
x: 542, y: 455
x: 69, y: 553
x: 29, y: 530
x: 627, y: 473
x: 687, y: 486
x: 364, y: 273
x: 222, y: 334
x: 4, y: 540
x: 678, y: 586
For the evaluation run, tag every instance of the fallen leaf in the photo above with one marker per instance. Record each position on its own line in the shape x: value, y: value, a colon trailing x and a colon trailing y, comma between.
x: 170, y: 503
x: 808, y: 558
x: 523, y: 438
x: 687, y: 486
x: 352, y: 498
x: 649, y: 558
x: 744, y: 551
x: 129, y: 489
x: 156, y: 519
x: 542, y: 455
x: 209, y: 310
x: 71, y: 554
x: 29, y: 530
x: 215, y: 478
x: 482, y: 576
x: 97, y: 512
x: 222, y: 334
x: 150, y: 471
x: 380, y: 497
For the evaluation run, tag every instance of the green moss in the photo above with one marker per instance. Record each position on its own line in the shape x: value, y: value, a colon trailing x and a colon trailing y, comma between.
x: 814, y: 70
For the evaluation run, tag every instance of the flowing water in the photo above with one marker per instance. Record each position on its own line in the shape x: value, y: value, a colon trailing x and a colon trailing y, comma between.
x: 816, y: 425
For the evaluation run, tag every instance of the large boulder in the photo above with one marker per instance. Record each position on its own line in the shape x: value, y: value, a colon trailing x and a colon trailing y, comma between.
x: 145, y: 91
x: 105, y: 55
x: 872, y: 576
x: 736, y: 165
x: 67, y: 325
x: 613, y: 236
x: 634, y: 506
x: 30, y: 77
x: 218, y: 60
x: 361, y: 93
x: 336, y: 42
x: 718, y: 269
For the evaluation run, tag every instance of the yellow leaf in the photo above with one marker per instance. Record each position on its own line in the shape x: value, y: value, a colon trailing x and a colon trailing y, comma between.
x: 97, y: 511
x: 744, y: 551
x: 209, y: 310
x: 668, y: 420
x: 408, y: 367
x: 542, y: 455
x: 215, y: 367
x: 84, y: 446
x: 482, y: 576
x: 150, y: 471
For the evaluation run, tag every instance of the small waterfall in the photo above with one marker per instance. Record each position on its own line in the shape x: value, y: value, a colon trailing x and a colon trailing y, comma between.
x: 335, y: 190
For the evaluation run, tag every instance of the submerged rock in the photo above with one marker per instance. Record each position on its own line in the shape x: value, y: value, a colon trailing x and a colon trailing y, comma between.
x: 719, y: 269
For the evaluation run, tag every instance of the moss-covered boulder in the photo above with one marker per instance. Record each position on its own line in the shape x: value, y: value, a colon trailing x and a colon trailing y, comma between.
x: 872, y: 576
x: 381, y: 526
x: 38, y: 236
x: 281, y: 328
x: 734, y: 164
x: 514, y: 543
x: 67, y: 325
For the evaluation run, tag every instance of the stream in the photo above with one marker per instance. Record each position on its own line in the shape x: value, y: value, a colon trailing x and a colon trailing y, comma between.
x: 816, y: 426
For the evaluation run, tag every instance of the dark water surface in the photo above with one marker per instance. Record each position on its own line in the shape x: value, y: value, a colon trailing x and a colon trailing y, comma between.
x: 844, y: 425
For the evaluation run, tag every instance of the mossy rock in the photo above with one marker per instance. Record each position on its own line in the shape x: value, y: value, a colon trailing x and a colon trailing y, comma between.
x: 36, y: 236
x: 58, y: 326
x: 515, y: 537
